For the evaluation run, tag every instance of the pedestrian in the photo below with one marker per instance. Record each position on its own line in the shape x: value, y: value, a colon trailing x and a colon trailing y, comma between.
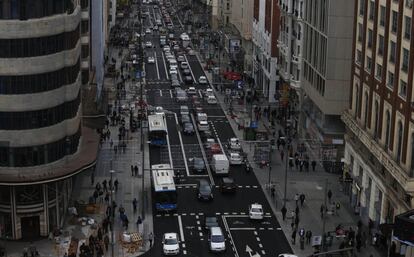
x: 297, y: 221
x: 294, y: 236
x: 302, y: 199
x: 116, y: 184
x: 284, y: 211
x: 106, y: 242
x: 329, y: 195
x: 104, y: 185
x: 322, y: 210
x: 132, y: 170
x: 297, y: 199
x: 282, y: 154
x: 273, y: 191
x: 111, y: 143
x: 126, y: 222
x: 313, y: 165
x: 134, y: 204
x: 150, y: 238
x: 297, y: 211
x: 358, y: 242
x: 308, y: 236
x: 136, y: 170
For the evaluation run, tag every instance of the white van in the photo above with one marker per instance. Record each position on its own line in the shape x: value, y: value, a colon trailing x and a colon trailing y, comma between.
x: 220, y: 164
x: 217, y: 242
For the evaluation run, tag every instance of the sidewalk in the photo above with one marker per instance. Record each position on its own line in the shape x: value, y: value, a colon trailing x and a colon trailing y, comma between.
x: 311, y: 184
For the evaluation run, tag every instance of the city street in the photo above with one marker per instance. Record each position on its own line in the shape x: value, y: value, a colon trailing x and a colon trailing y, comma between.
x: 262, y: 237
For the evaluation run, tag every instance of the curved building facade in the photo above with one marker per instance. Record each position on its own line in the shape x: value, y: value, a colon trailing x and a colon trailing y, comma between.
x: 41, y: 131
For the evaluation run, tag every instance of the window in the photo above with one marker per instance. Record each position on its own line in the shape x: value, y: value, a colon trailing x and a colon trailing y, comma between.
x: 378, y: 73
x: 399, y: 141
x: 382, y: 15
x: 390, y: 82
x: 394, y: 23
x: 407, y: 27
x: 380, y: 45
x: 369, y: 64
x: 360, y: 32
x: 388, y: 129
x: 19, y: 9
x: 371, y: 10
x: 405, y: 60
x: 369, y: 38
x: 359, y: 57
x: 403, y: 89
x: 376, y: 109
x: 392, y: 51
x: 361, y: 7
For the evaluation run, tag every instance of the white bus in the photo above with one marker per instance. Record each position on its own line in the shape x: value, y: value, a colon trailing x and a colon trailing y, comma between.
x: 163, y: 187
x: 157, y: 127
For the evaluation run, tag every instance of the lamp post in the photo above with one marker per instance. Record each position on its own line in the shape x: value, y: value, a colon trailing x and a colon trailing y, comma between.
x: 111, y: 172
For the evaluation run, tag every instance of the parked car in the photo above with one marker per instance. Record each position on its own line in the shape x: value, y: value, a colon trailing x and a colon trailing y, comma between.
x: 151, y: 59
x: 191, y: 91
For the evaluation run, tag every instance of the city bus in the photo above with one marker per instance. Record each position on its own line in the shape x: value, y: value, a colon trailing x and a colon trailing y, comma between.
x: 163, y: 188
x: 157, y: 127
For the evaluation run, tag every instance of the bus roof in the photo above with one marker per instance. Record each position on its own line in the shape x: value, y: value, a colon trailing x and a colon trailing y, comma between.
x: 156, y: 122
x: 163, y: 177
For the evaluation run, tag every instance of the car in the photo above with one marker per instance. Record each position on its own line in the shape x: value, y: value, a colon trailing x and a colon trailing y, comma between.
x: 180, y: 58
x: 209, y: 142
x: 151, y: 59
x: 209, y: 92
x: 216, y: 240
x: 175, y: 83
x: 173, y: 77
x: 227, y: 185
x: 191, y: 52
x: 211, y: 99
x: 180, y: 95
x: 185, y: 119
x: 176, y: 47
x: 210, y: 221
x: 198, y: 164
x: 159, y: 110
x: 204, y: 190
x: 234, y: 144
x: 184, y: 110
x: 215, y: 148
x: 166, y: 48
x: 184, y: 65
x: 148, y: 44
x: 202, y: 80
x: 155, y: 28
x: 148, y: 31
x: 201, y: 116
x: 197, y: 109
x: 235, y: 159
x: 206, y: 134
x: 202, y: 125
x: 188, y: 80
x: 173, y: 70
x: 171, y: 36
x: 256, y: 211
x: 170, y: 244
x: 191, y: 91
x: 186, y: 72
x: 188, y: 128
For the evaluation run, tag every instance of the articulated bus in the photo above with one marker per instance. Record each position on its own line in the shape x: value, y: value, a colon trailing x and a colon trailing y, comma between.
x: 163, y: 188
x: 157, y: 127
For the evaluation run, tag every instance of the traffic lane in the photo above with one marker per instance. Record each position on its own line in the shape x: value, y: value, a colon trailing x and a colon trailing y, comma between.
x: 243, y: 239
x: 271, y: 238
x: 162, y: 67
x: 195, y: 66
x: 150, y: 70
x: 239, y: 222
x: 163, y: 225
x: 223, y: 203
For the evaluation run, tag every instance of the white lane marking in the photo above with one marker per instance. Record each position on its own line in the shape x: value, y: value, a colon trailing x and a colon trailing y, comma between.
x: 201, y: 234
x: 278, y: 228
x: 218, y: 139
x: 198, y: 222
x: 183, y: 185
x: 231, y: 237
x: 165, y: 66
x: 200, y: 94
x: 167, y: 215
x: 184, y: 214
x: 268, y: 213
x: 199, y: 228
x: 234, y: 213
x: 217, y: 116
x: 218, y: 213
x: 255, y: 233
x: 179, y: 20
x: 175, y: 214
x: 192, y: 214
x: 185, y: 252
x: 261, y: 229
x: 160, y: 92
x: 247, y: 186
x: 183, y: 245
x: 226, y: 213
x: 203, y: 153
x: 179, y: 76
x: 242, y: 213
x: 263, y: 252
x: 182, y: 147
x: 156, y: 65
x: 171, y: 96
x: 180, y: 225
x: 258, y: 239
x: 197, y: 217
x: 270, y: 228
x: 200, y: 213
x: 243, y: 229
x: 191, y: 70
x: 158, y: 215
x: 260, y: 245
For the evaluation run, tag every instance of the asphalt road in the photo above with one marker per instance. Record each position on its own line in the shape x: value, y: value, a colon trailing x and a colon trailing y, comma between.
x: 263, y: 237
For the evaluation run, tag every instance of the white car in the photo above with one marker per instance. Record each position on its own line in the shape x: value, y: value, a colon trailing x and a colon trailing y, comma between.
x: 209, y: 92
x: 148, y: 31
x: 151, y: 59
x: 256, y: 211
x: 184, y: 65
x: 234, y: 144
x: 159, y: 110
x: 166, y: 48
x: 184, y: 110
x: 211, y: 99
x: 180, y: 58
x: 191, y: 91
x: 235, y: 159
x: 148, y: 44
x: 202, y: 80
x: 170, y: 244
x: 202, y: 125
x: 173, y: 71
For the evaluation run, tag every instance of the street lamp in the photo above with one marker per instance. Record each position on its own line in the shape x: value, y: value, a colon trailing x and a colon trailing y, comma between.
x: 111, y: 172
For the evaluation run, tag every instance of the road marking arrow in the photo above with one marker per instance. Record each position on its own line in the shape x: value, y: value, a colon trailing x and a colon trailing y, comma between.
x: 249, y: 250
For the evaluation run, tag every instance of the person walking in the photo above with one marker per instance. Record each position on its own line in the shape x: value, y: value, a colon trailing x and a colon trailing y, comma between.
x: 329, y: 195
x: 297, y: 199
x: 294, y: 236
x: 308, y: 236
x: 116, y: 184
x: 150, y: 238
x: 282, y: 154
x: 313, y: 165
x: 284, y: 211
x: 322, y: 210
x: 132, y: 170
x: 136, y: 170
x: 302, y: 199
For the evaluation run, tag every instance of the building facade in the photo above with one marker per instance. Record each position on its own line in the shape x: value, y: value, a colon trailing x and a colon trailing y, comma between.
x: 379, y: 150
x: 266, y: 21
x: 43, y: 143
x: 326, y: 65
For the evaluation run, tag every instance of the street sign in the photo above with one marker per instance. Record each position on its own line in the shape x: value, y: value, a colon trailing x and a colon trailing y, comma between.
x: 138, y: 74
x: 239, y: 84
x: 253, y: 124
x: 143, y: 74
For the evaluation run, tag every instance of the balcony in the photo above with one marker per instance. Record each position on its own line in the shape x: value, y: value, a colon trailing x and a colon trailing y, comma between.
x: 378, y: 152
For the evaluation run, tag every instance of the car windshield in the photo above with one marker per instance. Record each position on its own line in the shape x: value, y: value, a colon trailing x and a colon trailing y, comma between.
x: 211, y: 220
x: 205, y: 189
x: 188, y: 126
x: 217, y: 239
x: 171, y: 241
x: 257, y: 210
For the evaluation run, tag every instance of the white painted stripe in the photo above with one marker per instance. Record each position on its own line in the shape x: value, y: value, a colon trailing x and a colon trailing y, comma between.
x: 200, y: 213
x: 278, y: 228
x: 180, y: 225
x: 171, y: 96
x: 226, y: 213
x: 268, y: 213
x: 201, y: 239
x: 175, y: 214
x: 192, y: 214
x: 165, y: 66
x: 201, y: 234
x: 218, y: 213
x: 255, y: 233
x: 261, y: 229
x: 200, y: 94
x: 236, y: 254
x: 184, y: 252
x: 160, y: 92
x: 255, y: 186
x: 258, y: 239
x: 260, y: 245
x: 169, y: 150
x: 263, y: 252
x: 199, y: 228
x: 240, y: 186
x: 196, y: 216
x: 234, y: 213
x: 158, y: 215
x: 247, y: 186
x: 198, y: 222
x: 191, y: 70
x: 270, y: 228
x: 167, y: 215
x: 242, y: 213
x: 183, y: 245
x: 242, y: 229
x: 184, y: 214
